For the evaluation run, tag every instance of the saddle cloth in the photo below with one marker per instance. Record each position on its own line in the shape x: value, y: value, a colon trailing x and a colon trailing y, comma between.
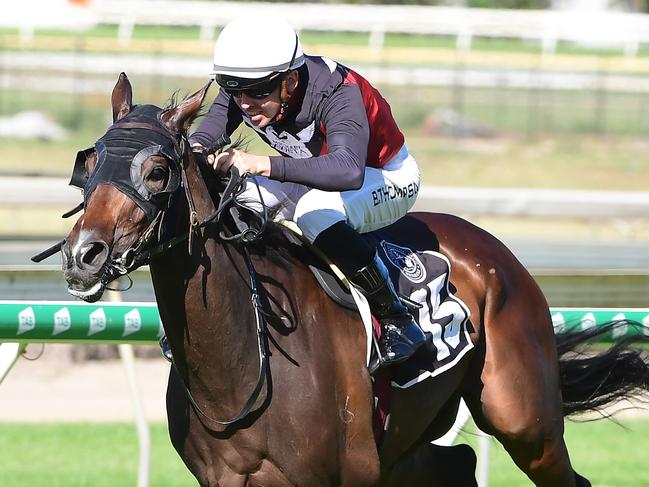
x: 423, y: 277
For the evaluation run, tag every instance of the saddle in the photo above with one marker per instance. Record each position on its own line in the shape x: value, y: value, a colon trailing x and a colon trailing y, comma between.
x: 422, y: 280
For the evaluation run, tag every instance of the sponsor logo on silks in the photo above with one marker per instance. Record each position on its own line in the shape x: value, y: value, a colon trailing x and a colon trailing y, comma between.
x: 132, y: 322
x: 292, y: 145
x: 390, y: 192
x: 26, y: 321
x: 405, y: 260
x: 97, y: 321
x: 62, y: 321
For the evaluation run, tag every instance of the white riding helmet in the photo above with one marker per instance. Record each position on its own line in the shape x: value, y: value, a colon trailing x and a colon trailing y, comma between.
x: 252, y: 51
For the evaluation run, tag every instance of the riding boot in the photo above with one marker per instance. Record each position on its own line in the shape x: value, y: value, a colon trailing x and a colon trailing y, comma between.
x: 357, y: 259
x: 401, y: 336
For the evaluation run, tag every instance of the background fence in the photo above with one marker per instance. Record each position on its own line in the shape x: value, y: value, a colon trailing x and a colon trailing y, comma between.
x: 456, y: 74
x: 532, y: 89
x: 468, y: 100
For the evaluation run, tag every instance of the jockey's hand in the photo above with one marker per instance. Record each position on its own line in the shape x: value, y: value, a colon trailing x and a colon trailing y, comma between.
x: 243, y: 161
x: 200, y: 149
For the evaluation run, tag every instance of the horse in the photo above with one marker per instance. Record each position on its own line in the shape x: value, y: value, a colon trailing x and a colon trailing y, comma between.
x: 270, y: 383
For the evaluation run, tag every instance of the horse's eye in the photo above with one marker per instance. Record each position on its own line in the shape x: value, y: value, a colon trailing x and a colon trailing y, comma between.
x: 157, y: 179
x: 158, y: 173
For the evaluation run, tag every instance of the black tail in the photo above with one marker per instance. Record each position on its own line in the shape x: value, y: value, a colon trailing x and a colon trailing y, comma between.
x: 589, y: 380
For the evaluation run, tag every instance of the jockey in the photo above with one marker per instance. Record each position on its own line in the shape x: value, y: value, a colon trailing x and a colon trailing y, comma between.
x: 342, y: 166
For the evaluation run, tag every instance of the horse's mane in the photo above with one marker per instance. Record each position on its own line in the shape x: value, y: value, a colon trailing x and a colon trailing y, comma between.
x: 274, y: 244
x: 212, y: 179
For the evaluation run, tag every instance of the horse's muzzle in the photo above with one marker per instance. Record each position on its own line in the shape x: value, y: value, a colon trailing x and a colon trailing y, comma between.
x: 83, y: 266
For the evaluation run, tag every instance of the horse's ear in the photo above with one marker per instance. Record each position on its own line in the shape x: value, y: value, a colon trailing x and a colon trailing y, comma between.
x: 122, y: 97
x: 180, y: 117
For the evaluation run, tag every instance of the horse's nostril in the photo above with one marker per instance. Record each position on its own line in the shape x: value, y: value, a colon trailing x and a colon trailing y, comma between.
x: 92, y: 256
x: 66, y: 255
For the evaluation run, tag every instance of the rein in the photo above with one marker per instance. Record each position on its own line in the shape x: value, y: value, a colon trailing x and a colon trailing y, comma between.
x: 141, y: 252
x: 138, y: 255
x: 263, y: 357
x: 245, y: 236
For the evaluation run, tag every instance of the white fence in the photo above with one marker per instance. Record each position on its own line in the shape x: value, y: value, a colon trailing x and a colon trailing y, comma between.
x: 554, y: 203
x: 547, y: 27
x: 22, y: 70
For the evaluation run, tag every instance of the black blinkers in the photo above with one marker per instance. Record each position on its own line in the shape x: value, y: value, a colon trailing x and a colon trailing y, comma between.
x: 79, y: 174
x: 121, y: 153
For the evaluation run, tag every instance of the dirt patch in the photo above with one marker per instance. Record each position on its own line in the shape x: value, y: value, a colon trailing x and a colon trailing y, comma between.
x: 56, y: 388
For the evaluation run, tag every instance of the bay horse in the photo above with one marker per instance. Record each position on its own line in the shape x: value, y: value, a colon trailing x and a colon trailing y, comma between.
x: 270, y: 384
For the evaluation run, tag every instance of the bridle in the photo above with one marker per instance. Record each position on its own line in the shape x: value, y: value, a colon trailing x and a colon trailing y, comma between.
x: 142, y: 250
x: 148, y: 246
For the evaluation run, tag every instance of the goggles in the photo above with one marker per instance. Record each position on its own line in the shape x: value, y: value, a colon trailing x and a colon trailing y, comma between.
x: 258, y: 92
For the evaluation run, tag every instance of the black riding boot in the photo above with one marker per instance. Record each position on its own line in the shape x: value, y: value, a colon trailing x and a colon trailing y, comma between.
x: 357, y: 259
x: 400, y: 334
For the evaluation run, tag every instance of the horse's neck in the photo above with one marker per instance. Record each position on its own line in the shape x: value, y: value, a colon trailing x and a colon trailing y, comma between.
x: 197, y: 193
x: 204, y: 301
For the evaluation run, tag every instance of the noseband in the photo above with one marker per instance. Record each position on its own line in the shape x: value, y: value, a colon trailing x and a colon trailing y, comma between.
x: 174, y: 147
x: 121, y: 153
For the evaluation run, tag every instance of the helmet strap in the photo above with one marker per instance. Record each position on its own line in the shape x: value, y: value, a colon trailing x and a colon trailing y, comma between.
x: 284, y: 98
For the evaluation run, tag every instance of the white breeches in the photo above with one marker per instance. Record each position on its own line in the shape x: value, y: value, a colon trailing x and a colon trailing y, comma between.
x: 386, y: 195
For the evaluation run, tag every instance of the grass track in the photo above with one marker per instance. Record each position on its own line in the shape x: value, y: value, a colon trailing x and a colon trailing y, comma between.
x: 105, y: 455
x: 608, y: 454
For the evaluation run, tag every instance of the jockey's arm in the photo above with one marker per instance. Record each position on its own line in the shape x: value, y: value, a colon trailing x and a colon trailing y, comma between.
x: 342, y: 168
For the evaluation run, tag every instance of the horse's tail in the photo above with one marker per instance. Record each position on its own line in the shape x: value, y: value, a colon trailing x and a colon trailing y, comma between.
x: 591, y: 380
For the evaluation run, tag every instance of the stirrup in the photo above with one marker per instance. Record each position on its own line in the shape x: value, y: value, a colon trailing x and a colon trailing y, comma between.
x: 165, y: 349
x: 399, y: 343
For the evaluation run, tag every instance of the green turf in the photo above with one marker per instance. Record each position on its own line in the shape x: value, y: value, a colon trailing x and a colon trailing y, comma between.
x: 106, y: 455
x: 85, y: 455
x: 608, y: 454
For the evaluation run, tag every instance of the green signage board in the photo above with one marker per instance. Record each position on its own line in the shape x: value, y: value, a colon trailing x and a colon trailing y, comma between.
x: 582, y: 318
x: 48, y: 321
x: 109, y: 322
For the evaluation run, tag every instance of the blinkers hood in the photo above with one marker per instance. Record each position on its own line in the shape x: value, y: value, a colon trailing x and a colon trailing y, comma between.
x: 121, y: 153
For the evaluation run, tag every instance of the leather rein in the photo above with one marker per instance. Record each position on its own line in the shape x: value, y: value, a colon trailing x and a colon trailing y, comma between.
x: 228, y: 198
x: 142, y: 251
